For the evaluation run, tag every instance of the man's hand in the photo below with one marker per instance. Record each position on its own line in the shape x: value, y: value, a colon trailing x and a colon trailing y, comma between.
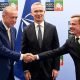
x: 27, y: 75
x: 54, y: 73
x: 28, y: 57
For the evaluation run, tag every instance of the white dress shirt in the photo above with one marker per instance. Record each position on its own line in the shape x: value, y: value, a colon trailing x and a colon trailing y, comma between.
x: 79, y: 39
x: 37, y: 28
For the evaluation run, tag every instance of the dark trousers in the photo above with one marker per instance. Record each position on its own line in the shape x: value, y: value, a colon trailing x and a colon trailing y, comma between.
x: 11, y: 74
x: 40, y: 76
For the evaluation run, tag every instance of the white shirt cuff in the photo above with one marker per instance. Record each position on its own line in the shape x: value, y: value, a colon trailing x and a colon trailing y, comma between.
x: 21, y: 57
x: 37, y: 56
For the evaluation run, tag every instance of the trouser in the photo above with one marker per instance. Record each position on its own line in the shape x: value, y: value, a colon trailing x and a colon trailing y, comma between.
x: 11, y: 74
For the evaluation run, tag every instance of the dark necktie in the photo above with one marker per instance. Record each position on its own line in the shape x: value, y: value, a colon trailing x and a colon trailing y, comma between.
x: 39, y: 36
x: 77, y: 40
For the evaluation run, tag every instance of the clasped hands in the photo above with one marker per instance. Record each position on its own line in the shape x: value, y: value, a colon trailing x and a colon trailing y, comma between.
x: 29, y: 57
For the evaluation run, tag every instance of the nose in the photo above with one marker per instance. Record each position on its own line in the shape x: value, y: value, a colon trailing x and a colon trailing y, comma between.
x: 38, y: 13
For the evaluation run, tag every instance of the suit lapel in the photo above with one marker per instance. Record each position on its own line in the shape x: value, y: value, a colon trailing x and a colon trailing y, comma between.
x: 4, y: 33
x: 76, y: 45
x: 11, y: 43
x: 13, y: 37
x: 34, y: 34
x: 46, y: 32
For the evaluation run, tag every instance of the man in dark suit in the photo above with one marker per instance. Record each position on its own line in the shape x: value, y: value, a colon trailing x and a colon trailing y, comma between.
x: 35, y: 41
x: 7, y: 41
x: 71, y: 46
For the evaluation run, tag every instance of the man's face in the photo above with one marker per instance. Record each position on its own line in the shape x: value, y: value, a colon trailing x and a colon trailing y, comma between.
x: 75, y: 26
x: 10, y: 18
x: 38, y: 13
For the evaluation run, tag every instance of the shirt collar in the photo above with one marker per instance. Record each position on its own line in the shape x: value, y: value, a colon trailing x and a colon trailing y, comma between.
x: 42, y: 24
x: 77, y: 37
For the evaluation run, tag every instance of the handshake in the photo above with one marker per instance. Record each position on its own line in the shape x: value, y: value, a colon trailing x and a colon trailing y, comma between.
x: 29, y: 57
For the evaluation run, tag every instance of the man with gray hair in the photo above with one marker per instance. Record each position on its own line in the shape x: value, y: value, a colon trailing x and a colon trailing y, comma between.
x: 7, y: 42
x: 38, y: 37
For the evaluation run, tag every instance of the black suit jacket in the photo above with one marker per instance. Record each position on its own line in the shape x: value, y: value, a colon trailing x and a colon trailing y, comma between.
x: 70, y: 47
x: 7, y: 54
x: 30, y: 44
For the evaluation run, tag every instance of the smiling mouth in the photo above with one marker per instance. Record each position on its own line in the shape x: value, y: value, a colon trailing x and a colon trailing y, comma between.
x: 71, y: 32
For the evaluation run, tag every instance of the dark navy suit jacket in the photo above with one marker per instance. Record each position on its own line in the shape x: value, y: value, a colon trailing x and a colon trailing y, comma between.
x: 30, y: 43
x: 71, y: 47
x: 7, y: 54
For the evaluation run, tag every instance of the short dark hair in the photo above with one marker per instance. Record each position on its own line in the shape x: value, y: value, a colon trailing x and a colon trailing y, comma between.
x: 78, y: 16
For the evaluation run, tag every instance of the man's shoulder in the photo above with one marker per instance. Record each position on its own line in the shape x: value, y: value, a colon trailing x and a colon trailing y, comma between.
x: 29, y: 27
x: 49, y: 24
x: 70, y: 39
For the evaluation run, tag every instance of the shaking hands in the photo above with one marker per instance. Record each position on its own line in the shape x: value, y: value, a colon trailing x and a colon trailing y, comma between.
x: 29, y: 57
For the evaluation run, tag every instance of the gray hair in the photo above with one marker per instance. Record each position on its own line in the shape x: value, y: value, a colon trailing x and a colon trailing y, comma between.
x: 77, y: 15
x: 37, y: 3
x: 9, y: 9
